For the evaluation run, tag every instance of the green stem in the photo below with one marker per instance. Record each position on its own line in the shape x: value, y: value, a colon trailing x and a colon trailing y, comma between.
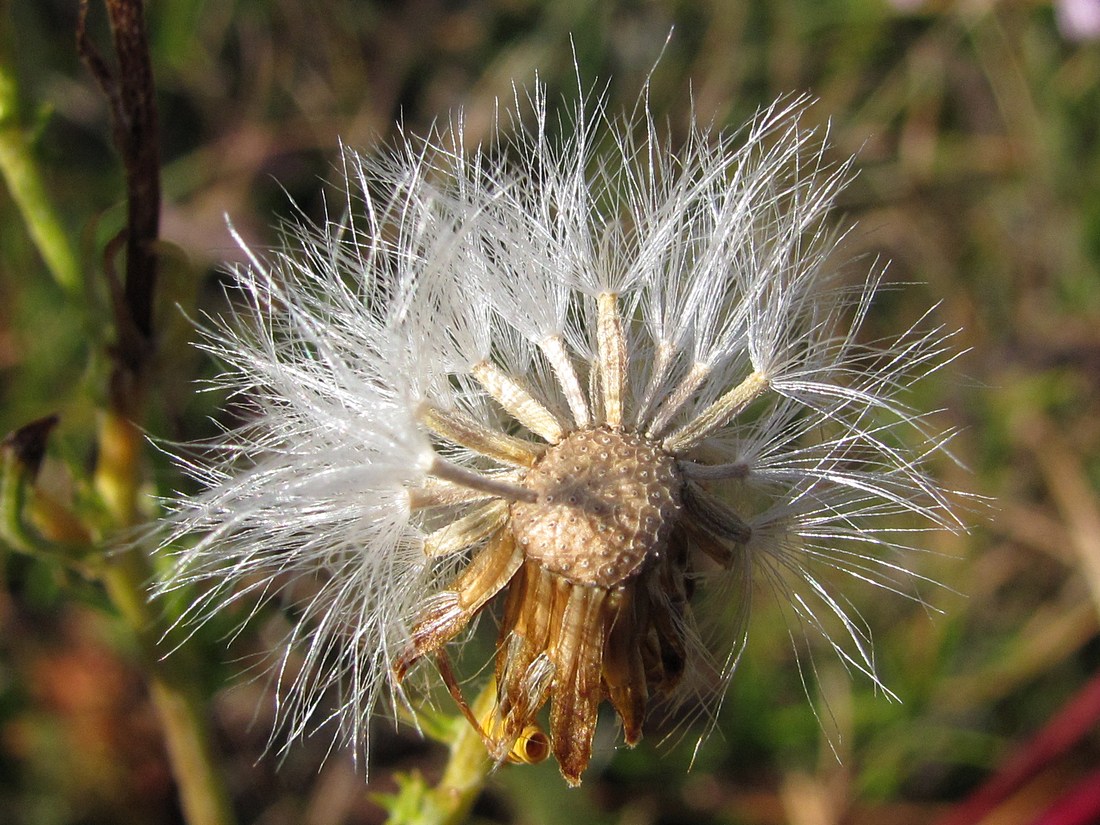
x: 467, y: 769
x: 203, y: 795
x: 464, y: 776
x: 24, y: 182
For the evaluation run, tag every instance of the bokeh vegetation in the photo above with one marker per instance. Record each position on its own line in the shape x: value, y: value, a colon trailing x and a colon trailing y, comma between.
x: 976, y: 124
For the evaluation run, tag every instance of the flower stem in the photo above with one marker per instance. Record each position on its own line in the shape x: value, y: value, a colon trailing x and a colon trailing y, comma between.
x: 24, y: 182
x: 467, y: 769
x: 203, y: 796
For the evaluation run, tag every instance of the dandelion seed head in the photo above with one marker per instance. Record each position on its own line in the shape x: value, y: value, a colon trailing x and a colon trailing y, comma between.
x: 571, y: 386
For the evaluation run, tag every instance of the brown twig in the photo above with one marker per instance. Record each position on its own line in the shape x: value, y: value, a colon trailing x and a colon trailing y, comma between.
x: 130, y: 93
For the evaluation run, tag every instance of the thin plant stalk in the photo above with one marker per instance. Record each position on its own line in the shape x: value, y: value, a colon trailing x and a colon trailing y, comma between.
x: 24, y: 183
x: 464, y: 776
x: 203, y: 796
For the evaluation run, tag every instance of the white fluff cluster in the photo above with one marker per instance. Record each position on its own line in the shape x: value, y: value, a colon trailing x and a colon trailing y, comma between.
x: 454, y: 268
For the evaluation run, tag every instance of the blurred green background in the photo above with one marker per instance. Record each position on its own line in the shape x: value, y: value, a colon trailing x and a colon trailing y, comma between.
x: 977, y: 125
